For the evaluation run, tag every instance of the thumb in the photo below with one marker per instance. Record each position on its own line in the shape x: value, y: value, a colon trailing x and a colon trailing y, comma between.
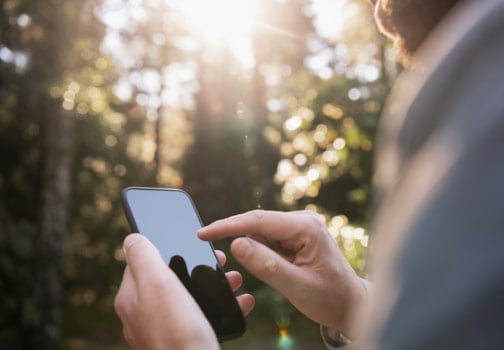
x: 265, y: 264
x: 143, y: 258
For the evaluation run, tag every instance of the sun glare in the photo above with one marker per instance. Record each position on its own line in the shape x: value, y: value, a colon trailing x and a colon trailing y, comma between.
x: 331, y: 16
x: 222, y: 22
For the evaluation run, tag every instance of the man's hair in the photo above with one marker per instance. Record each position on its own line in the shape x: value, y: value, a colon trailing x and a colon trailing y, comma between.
x: 409, y: 22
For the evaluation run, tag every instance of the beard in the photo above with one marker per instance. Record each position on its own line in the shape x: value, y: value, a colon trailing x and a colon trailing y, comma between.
x: 409, y: 22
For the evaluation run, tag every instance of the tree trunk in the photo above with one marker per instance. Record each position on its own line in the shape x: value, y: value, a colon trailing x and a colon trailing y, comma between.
x: 56, y: 189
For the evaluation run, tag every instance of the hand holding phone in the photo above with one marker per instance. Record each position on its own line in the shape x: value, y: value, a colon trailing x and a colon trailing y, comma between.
x: 153, y: 305
x: 170, y: 221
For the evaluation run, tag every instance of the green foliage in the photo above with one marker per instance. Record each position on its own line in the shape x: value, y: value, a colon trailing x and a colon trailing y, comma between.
x: 17, y: 264
x: 51, y: 68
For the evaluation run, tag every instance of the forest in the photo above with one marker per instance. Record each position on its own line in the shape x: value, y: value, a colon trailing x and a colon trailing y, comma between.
x: 270, y: 104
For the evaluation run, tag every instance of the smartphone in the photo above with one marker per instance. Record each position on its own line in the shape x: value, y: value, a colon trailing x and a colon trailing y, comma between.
x: 168, y: 217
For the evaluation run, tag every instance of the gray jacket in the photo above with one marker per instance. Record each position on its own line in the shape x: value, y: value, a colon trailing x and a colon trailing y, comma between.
x: 438, y: 261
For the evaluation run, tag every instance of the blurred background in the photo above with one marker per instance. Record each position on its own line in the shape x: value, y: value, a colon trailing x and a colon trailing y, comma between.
x: 245, y: 104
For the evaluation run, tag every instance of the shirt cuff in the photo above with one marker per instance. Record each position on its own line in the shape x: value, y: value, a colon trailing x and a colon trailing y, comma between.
x: 333, y: 339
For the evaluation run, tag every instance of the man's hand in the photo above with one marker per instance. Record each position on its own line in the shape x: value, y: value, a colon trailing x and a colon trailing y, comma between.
x: 156, y: 310
x: 294, y: 253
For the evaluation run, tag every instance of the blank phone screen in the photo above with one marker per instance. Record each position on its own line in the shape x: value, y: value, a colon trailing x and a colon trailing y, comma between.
x: 170, y: 221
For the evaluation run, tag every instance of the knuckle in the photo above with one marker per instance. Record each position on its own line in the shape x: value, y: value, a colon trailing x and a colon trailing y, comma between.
x: 315, y: 220
x: 256, y: 218
x: 270, y: 265
x: 128, y: 336
x: 315, y: 226
x: 119, y: 304
x: 257, y: 213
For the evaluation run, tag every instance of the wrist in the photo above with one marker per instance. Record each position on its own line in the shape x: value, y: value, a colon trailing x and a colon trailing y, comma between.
x: 358, y: 298
x: 338, y: 336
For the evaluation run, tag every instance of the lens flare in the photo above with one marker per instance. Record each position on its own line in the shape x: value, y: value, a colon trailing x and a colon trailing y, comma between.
x: 284, y: 340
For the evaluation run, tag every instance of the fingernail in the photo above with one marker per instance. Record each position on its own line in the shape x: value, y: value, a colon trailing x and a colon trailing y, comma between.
x: 242, y: 247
